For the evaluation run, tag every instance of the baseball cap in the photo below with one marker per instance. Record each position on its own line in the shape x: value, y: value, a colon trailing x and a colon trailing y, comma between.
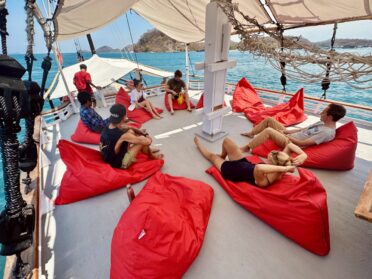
x: 117, y: 113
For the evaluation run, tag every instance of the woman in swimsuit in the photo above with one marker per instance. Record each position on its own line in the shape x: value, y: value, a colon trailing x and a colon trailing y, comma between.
x: 238, y: 169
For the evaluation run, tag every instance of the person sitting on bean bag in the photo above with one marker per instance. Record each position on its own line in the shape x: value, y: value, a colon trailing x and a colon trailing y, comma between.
x: 88, y: 115
x: 176, y: 89
x: 119, y: 147
x: 322, y: 131
x: 138, y: 100
x: 239, y: 169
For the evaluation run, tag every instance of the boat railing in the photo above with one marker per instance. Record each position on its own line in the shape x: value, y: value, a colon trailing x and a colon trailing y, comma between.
x: 357, y: 113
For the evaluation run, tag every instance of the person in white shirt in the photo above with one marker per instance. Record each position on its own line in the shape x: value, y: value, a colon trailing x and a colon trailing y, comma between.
x: 322, y: 131
x: 138, y: 100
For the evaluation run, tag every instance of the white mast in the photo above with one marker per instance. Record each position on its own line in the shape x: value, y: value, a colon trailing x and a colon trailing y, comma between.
x: 217, y: 44
x: 187, y: 65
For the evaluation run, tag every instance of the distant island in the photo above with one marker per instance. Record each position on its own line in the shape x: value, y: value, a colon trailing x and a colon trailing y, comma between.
x: 156, y: 41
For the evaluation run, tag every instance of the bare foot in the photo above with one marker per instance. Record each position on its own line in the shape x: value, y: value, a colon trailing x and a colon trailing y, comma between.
x: 245, y: 148
x: 247, y: 134
x: 155, y: 150
x: 156, y: 117
x: 189, y: 109
x: 157, y: 156
x: 196, y: 140
x: 172, y: 112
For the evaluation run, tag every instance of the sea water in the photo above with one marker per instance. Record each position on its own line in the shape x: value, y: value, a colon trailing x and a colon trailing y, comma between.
x: 257, y: 70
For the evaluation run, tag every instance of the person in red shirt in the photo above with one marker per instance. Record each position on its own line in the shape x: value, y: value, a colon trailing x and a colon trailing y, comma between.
x: 83, y: 81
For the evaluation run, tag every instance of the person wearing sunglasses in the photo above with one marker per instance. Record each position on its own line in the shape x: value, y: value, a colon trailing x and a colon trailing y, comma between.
x: 138, y: 100
x: 238, y: 169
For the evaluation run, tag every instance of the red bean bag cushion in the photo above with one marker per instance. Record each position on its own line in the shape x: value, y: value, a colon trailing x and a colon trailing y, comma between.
x: 138, y: 115
x: 338, y: 154
x: 87, y: 175
x: 245, y: 96
x: 176, y: 106
x: 83, y: 134
x: 288, y: 113
x: 294, y: 206
x: 161, y: 232
x: 200, y: 103
x: 246, y: 99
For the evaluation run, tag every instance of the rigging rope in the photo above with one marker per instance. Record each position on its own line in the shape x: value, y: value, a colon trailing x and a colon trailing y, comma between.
x: 79, y: 55
x: 3, y: 29
x: 29, y: 56
x: 326, y: 82
x: 131, y: 37
x: 353, y: 69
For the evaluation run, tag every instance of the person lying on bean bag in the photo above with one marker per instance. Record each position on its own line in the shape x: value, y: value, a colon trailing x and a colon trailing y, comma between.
x: 315, y: 134
x: 120, y: 147
x: 239, y: 169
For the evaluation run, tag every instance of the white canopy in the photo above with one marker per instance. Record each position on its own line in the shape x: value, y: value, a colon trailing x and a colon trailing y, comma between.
x: 185, y: 20
x: 103, y: 71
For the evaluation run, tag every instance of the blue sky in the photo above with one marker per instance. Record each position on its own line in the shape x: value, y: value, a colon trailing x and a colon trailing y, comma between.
x: 116, y: 34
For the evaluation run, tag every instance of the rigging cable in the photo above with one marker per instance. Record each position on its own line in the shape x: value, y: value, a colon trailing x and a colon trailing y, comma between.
x: 29, y: 56
x: 131, y: 37
x: 3, y: 30
x: 283, y: 78
x: 326, y: 82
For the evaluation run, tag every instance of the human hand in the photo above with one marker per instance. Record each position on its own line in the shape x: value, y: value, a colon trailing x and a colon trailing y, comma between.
x: 300, y: 159
x: 290, y: 169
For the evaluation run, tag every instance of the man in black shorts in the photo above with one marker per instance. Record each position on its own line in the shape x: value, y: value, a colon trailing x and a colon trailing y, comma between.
x: 120, y: 144
x: 176, y: 88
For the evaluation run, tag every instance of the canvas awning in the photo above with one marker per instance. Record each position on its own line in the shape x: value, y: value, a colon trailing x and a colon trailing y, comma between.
x: 103, y: 71
x: 185, y: 20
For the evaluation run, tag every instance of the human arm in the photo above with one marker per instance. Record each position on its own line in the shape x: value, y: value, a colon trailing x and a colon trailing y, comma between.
x: 132, y: 138
x: 302, y: 156
x: 292, y: 131
x: 302, y: 143
x: 88, y: 80
x: 93, y: 120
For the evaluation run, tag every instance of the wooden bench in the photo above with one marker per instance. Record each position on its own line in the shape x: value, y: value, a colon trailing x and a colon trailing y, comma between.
x: 364, y: 206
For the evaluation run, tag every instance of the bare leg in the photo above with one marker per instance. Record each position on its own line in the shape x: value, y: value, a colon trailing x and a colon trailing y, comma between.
x: 231, y: 150
x: 187, y: 99
x: 170, y: 102
x: 154, y: 110
x: 148, y: 107
x: 267, y: 122
x: 269, y: 133
x: 216, y: 160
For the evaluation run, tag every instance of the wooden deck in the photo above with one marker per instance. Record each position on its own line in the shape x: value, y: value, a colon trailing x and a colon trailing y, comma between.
x: 76, y: 238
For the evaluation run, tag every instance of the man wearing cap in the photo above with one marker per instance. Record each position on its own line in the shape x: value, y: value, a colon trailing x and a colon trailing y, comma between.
x: 119, y: 147
x: 88, y: 115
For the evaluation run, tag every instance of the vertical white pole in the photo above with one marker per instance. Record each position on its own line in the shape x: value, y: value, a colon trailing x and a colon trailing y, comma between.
x: 217, y: 43
x: 187, y: 65
x: 74, y: 108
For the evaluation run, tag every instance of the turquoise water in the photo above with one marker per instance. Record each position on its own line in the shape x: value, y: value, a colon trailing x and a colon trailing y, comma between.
x: 256, y: 70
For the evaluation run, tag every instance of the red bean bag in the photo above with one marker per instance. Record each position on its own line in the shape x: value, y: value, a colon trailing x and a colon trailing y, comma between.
x: 161, y: 232
x: 288, y: 113
x: 176, y: 106
x: 294, y: 206
x: 200, y: 103
x: 338, y: 154
x: 246, y: 99
x: 87, y: 175
x: 245, y: 96
x: 83, y: 134
x: 138, y: 115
